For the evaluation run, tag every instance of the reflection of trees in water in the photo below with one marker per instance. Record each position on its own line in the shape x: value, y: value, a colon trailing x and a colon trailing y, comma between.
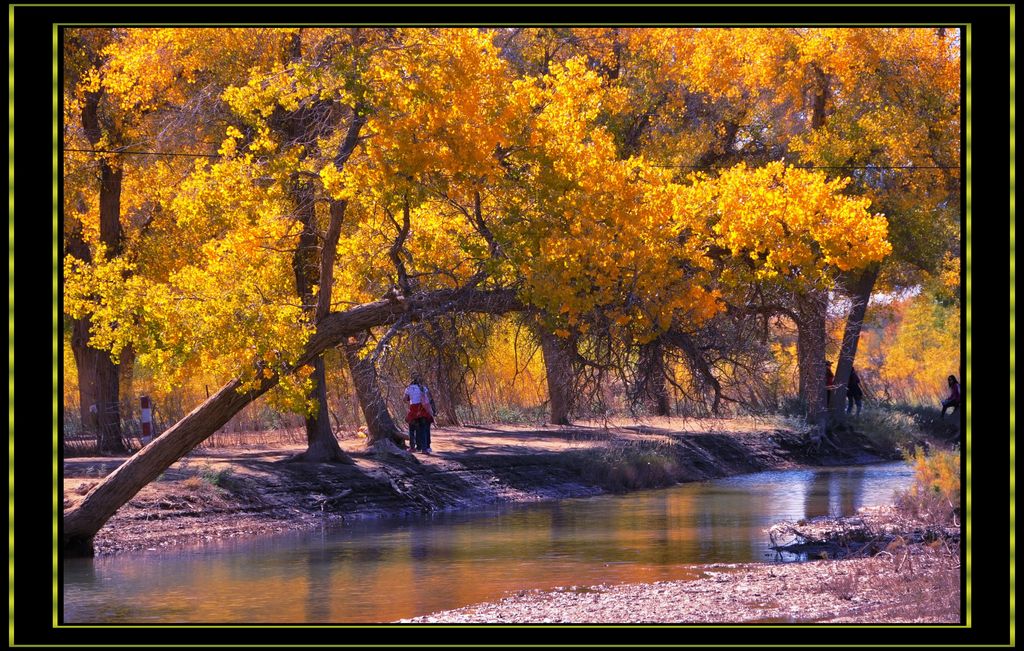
x: 853, y: 489
x: 419, y: 551
x: 318, y: 580
x: 728, y: 523
x: 834, y: 492
x: 818, y: 495
x: 562, y: 530
x: 661, y: 544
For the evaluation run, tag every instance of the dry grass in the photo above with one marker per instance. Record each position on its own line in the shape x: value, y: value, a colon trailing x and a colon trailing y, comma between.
x: 842, y: 583
x: 628, y: 465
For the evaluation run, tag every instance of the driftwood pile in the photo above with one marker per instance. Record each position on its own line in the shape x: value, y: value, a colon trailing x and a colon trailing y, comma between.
x: 866, y: 534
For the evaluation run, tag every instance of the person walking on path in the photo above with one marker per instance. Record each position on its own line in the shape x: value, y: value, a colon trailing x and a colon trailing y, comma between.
x: 854, y: 393
x: 419, y: 416
x: 953, y: 399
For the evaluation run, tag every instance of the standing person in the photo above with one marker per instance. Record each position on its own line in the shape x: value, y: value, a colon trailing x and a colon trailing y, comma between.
x: 854, y: 393
x: 830, y: 380
x: 428, y: 404
x: 953, y: 399
x: 419, y: 415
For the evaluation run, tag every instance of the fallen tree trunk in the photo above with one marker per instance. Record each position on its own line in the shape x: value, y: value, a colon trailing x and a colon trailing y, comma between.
x: 81, y: 522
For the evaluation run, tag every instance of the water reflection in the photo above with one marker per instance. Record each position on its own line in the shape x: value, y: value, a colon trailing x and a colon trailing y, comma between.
x: 834, y: 493
x: 383, y: 571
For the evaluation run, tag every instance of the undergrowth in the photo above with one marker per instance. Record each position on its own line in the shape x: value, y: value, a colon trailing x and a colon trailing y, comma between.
x: 628, y: 465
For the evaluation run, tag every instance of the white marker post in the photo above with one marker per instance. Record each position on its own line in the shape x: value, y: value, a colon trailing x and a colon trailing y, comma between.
x: 147, y: 421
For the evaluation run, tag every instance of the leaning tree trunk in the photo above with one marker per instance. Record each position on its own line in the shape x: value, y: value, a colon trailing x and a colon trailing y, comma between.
x: 379, y: 424
x: 82, y: 521
x: 860, y: 295
x: 560, y: 378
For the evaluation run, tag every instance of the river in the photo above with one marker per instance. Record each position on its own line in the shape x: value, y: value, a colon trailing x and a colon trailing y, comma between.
x: 385, y: 570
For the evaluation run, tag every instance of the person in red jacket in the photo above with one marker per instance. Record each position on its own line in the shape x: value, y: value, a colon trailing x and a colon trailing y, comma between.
x: 953, y: 399
x: 419, y: 416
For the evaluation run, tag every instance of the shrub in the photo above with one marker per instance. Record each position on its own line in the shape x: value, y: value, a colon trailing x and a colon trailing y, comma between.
x: 624, y: 466
x: 218, y: 478
x: 841, y: 584
x: 934, y: 495
x: 193, y: 483
x: 888, y: 427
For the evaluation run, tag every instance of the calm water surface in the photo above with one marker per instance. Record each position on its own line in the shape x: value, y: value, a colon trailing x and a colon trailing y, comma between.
x: 382, y: 571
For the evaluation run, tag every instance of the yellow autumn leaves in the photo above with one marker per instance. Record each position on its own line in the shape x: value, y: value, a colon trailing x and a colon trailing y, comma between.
x: 794, y: 222
x: 573, y: 143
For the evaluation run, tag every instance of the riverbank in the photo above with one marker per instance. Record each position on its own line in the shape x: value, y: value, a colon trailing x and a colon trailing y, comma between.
x: 246, y: 491
x: 861, y: 590
x: 251, y: 490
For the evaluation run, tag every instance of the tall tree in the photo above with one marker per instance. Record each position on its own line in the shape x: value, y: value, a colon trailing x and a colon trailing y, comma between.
x: 98, y: 372
x: 424, y: 166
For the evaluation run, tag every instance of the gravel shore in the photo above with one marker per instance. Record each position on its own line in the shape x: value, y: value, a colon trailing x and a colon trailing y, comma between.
x: 889, y: 588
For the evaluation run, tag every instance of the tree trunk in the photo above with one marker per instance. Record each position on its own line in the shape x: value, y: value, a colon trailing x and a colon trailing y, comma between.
x: 126, y: 379
x: 445, y: 389
x: 321, y: 444
x: 651, y: 371
x: 812, y: 337
x: 558, y: 364
x: 81, y: 522
x: 313, y: 265
x: 98, y: 387
x: 98, y: 381
x: 700, y: 365
x: 804, y: 364
x: 861, y: 293
x: 306, y: 263
x: 379, y: 424
x: 447, y: 395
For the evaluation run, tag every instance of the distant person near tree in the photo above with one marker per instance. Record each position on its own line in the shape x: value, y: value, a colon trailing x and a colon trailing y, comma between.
x: 854, y: 394
x: 830, y: 381
x: 953, y: 399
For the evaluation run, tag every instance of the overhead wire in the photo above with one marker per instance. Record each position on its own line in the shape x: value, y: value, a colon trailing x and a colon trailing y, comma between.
x: 691, y: 167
